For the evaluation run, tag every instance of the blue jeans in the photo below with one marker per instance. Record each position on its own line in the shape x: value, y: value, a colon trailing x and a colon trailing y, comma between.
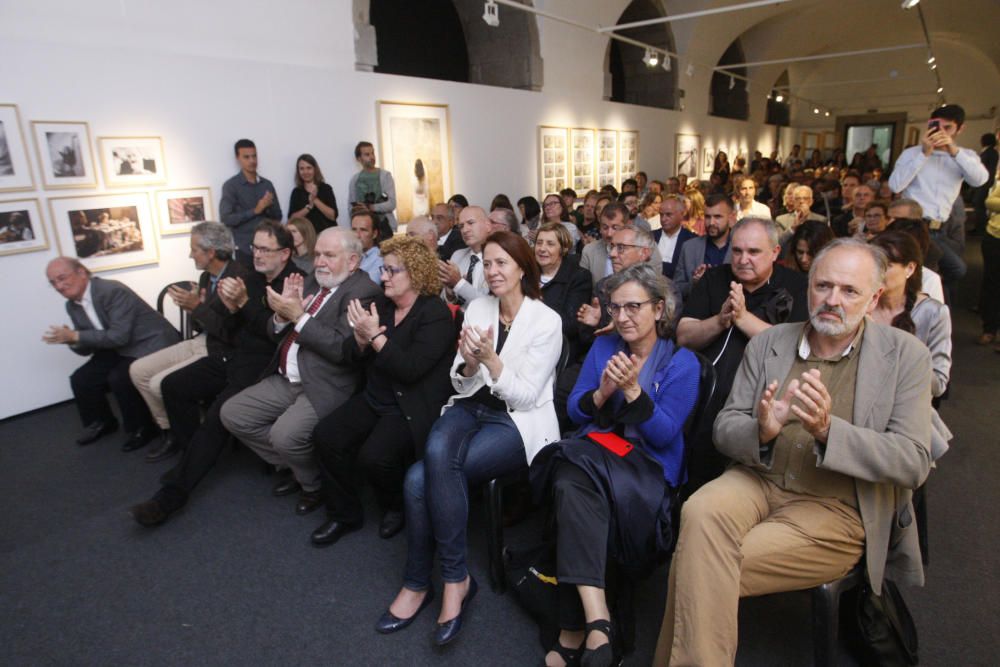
x: 468, y: 445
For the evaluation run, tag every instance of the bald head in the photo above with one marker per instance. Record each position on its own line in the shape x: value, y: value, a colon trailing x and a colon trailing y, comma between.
x: 68, y: 277
x: 474, y: 225
x: 424, y: 229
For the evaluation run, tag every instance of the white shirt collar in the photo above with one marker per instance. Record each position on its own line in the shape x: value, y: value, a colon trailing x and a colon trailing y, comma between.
x: 805, y: 349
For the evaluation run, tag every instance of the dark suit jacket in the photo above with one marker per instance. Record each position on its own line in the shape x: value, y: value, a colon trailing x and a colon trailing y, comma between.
x: 131, y: 327
x: 569, y: 289
x: 670, y: 262
x: 452, y: 243
x: 327, y: 377
x: 415, y: 359
x: 211, y: 315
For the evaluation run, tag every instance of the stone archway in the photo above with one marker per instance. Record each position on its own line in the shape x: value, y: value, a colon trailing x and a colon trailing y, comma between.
x: 728, y: 96
x: 630, y: 79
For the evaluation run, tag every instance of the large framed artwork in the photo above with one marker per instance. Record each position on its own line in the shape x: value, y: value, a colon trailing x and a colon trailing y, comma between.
x: 21, y: 227
x: 628, y: 154
x: 582, y: 154
x: 607, y: 158
x: 553, y: 159
x: 105, y: 231
x: 688, y: 155
x: 415, y: 145
x: 64, y: 155
x: 15, y: 169
x: 132, y: 161
x: 177, y: 211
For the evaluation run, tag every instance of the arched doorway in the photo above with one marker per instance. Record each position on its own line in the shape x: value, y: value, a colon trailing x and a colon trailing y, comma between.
x: 632, y: 80
x: 728, y: 94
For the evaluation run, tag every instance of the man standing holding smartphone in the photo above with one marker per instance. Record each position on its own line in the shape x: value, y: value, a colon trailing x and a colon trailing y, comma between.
x: 932, y: 172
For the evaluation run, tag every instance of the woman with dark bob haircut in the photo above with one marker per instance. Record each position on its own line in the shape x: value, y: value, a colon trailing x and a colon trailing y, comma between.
x: 500, y: 415
x: 405, y: 341
x: 312, y: 197
x: 808, y: 239
x: 612, y: 483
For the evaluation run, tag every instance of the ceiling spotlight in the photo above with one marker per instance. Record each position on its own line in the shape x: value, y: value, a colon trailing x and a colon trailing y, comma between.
x: 815, y: 109
x: 666, y: 63
x: 732, y: 82
x: 934, y: 66
x: 779, y: 98
x: 930, y: 61
x: 940, y: 89
x: 910, y: 4
x: 652, y: 58
x: 826, y: 113
x: 690, y: 70
x: 491, y: 13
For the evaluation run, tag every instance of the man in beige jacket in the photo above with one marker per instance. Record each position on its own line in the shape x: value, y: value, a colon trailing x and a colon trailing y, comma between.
x: 829, y: 425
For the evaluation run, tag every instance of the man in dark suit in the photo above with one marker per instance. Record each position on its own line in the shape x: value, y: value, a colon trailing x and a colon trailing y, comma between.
x: 449, y: 236
x: 309, y: 375
x: 672, y: 234
x: 214, y: 379
x: 213, y: 250
x: 114, y: 326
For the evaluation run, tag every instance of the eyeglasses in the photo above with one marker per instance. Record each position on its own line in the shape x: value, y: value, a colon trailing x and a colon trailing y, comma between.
x: 392, y: 270
x: 631, y: 308
x: 264, y: 250
x: 620, y: 247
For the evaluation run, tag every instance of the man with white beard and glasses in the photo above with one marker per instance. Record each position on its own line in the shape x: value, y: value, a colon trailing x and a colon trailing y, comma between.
x: 829, y: 426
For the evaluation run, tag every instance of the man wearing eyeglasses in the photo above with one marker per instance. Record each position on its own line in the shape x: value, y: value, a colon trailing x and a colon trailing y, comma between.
x: 802, y: 201
x: 596, y: 257
x: 363, y: 224
x: 731, y: 304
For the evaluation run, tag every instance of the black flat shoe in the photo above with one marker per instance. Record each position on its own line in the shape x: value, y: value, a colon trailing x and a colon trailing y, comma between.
x: 139, y: 439
x: 447, y: 631
x: 602, y: 656
x: 95, y: 430
x: 392, y: 523
x: 150, y: 513
x: 286, y: 487
x: 168, y: 447
x: 331, y: 531
x: 389, y: 623
x: 309, y: 501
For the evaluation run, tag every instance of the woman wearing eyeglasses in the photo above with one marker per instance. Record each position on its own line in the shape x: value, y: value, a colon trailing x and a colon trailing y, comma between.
x: 406, y: 341
x: 500, y: 415
x: 612, y: 483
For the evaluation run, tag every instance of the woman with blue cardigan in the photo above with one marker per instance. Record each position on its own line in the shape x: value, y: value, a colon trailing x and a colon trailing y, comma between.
x: 612, y: 483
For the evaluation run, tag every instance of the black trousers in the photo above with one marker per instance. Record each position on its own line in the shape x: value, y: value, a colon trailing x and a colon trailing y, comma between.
x: 989, y: 296
x: 354, y: 436
x: 583, y: 519
x: 105, y: 371
x: 187, y: 389
x: 205, y: 446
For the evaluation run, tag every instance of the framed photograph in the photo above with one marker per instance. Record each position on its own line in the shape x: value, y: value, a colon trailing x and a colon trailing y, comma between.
x: 131, y: 161
x: 582, y: 142
x: 628, y: 154
x: 105, y: 231
x: 688, y: 155
x: 15, y: 169
x: 607, y: 158
x: 21, y: 227
x: 708, y: 160
x: 553, y: 162
x: 414, y: 141
x: 179, y: 210
x: 64, y: 155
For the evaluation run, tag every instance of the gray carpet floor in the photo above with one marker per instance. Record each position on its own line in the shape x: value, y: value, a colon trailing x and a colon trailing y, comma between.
x: 232, y: 579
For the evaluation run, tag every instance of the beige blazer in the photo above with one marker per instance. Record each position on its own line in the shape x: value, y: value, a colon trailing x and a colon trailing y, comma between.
x: 887, y: 448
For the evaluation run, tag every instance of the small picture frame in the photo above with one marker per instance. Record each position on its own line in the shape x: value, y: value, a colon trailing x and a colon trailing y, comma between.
x: 64, y: 155
x: 708, y: 160
x: 105, y: 232
x: 15, y: 168
x: 177, y: 211
x: 131, y: 161
x: 21, y: 227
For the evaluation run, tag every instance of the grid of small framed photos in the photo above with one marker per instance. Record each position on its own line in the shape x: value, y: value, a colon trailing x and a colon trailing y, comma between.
x: 585, y: 158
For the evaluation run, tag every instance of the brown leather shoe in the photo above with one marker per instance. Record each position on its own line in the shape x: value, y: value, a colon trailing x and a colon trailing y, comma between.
x: 308, y: 501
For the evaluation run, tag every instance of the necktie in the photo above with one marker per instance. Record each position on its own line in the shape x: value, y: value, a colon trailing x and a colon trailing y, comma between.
x: 472, y: 267
x: 294, y: 335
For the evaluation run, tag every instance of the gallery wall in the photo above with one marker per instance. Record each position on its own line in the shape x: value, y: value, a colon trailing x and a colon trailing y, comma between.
x: 201, y: 75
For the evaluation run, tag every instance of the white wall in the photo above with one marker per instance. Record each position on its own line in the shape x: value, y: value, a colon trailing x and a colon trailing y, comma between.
x: 201, y: 75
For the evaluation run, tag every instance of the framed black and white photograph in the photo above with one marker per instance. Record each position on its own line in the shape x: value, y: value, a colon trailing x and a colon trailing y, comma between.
x: 131, y: 161
x: 688, y: 158
x: 21, y: 227
x: 708, y: 160
x: 15, y: 169
x: 64, y: 154
x: 106, y: 231
x: 179, y: 210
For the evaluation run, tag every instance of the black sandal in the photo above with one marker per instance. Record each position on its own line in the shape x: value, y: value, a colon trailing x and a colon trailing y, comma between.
x: 602, y: 656
x: 570, y: 656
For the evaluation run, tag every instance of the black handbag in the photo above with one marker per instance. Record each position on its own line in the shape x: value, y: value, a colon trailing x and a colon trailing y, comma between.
x: 887, y: 636
x: 531, y: 576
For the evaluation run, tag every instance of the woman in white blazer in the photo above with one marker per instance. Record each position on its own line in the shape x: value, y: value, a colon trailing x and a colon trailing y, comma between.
x: 500, y: 417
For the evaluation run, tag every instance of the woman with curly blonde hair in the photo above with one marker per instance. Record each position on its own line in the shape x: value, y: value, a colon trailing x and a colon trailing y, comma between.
x: 406, y: 340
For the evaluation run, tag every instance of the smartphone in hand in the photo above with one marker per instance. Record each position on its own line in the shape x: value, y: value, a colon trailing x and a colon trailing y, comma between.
x: 934, y: 124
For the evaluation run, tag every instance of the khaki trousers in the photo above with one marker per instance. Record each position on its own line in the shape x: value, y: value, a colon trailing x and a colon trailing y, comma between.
x: 742, y: 535
x: 148, y: 372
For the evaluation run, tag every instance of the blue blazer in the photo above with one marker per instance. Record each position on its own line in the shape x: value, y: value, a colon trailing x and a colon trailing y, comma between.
x: 670, y: 263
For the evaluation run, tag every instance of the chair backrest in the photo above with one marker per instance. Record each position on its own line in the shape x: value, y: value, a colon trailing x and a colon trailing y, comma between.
x: 706, y: 391
x: 185, y: 328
